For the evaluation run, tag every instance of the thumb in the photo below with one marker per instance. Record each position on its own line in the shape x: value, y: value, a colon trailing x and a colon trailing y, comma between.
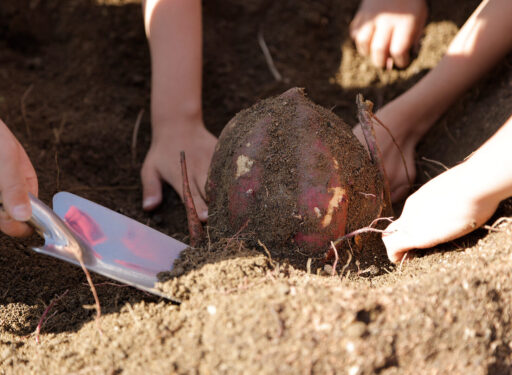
x: 13, y: 188
x: 16, y: 202
x: 396, y: 241
x: 151, y: 187
x: 201, y: 207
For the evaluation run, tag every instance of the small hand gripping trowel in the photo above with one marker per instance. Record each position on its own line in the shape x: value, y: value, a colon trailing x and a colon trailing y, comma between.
x: 111, y: 244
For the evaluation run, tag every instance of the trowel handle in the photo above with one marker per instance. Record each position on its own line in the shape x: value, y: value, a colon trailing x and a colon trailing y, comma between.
x: 46, y: 222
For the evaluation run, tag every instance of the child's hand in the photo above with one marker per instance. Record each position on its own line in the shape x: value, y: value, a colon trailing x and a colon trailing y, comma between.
x: 445, y: 208
x: 17, y: 178
x: 388, y: 29
x: 163, y: 163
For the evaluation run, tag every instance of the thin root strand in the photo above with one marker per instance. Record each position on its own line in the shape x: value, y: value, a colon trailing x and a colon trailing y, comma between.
x: 42, y: 320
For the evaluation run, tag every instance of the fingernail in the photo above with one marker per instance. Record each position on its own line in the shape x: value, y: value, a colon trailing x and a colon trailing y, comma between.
x: 203, y: 215
x: 389, y: 64
x: 21, y: 212
x: 149, y: 203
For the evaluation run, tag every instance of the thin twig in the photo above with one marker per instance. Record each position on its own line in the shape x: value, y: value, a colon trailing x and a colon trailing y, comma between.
x: 42, y: 320
x: 365, y: 115
x: 268, y: 57
x: 24, y: 108
x: 135, y: 135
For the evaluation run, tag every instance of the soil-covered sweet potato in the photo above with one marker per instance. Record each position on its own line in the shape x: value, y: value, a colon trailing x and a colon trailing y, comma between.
x: 291, y: 174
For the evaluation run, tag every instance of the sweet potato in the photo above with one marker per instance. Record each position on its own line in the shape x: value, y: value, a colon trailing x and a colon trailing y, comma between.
x: 292, y: 175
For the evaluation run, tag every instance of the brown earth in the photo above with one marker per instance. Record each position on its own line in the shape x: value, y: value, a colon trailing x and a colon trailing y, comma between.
x: 75, y: 75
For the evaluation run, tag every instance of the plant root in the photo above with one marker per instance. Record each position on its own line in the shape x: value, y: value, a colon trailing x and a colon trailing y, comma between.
x: 336, y: 258
x: 195, y: 227
x: 42, y: 320
x: 135, y: 135
x: 94, y: 293
x: 347, y: 264
x: 367, y: 229
x: 496, y: 226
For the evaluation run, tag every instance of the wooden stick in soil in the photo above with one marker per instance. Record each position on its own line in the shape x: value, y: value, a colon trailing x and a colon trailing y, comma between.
x: 364, y: 113
x: 195, y: 227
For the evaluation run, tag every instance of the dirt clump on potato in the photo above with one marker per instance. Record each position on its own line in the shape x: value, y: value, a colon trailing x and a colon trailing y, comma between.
x: 292, y: 175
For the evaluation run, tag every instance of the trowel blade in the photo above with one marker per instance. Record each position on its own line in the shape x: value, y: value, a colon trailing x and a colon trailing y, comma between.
x: 119, y: 247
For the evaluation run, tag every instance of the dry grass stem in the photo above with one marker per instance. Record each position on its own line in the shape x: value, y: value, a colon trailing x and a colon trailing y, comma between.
x: 57, y: 132
x: 24, y: 108
x: 135, y: 135
x: 268, y: 57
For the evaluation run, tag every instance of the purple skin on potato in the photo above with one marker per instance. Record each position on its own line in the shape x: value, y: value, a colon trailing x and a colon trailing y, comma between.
x: 293, y: 175
x: 322, y: 199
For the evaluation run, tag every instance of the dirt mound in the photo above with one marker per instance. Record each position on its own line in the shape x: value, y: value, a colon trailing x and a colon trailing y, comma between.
x: 82, y: 83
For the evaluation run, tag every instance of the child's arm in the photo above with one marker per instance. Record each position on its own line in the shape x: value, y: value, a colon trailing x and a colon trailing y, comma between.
x: 173, y: 28
x: 388, y: 29
x: 17, y: 178
x: 483, y: 40
x: 457, y: 201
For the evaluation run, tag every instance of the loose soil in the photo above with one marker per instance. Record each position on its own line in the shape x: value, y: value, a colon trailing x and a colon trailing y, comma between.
x: 75, y: 75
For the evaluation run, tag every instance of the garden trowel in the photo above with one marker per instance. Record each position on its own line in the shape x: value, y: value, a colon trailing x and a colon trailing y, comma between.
x: 110, y: 244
